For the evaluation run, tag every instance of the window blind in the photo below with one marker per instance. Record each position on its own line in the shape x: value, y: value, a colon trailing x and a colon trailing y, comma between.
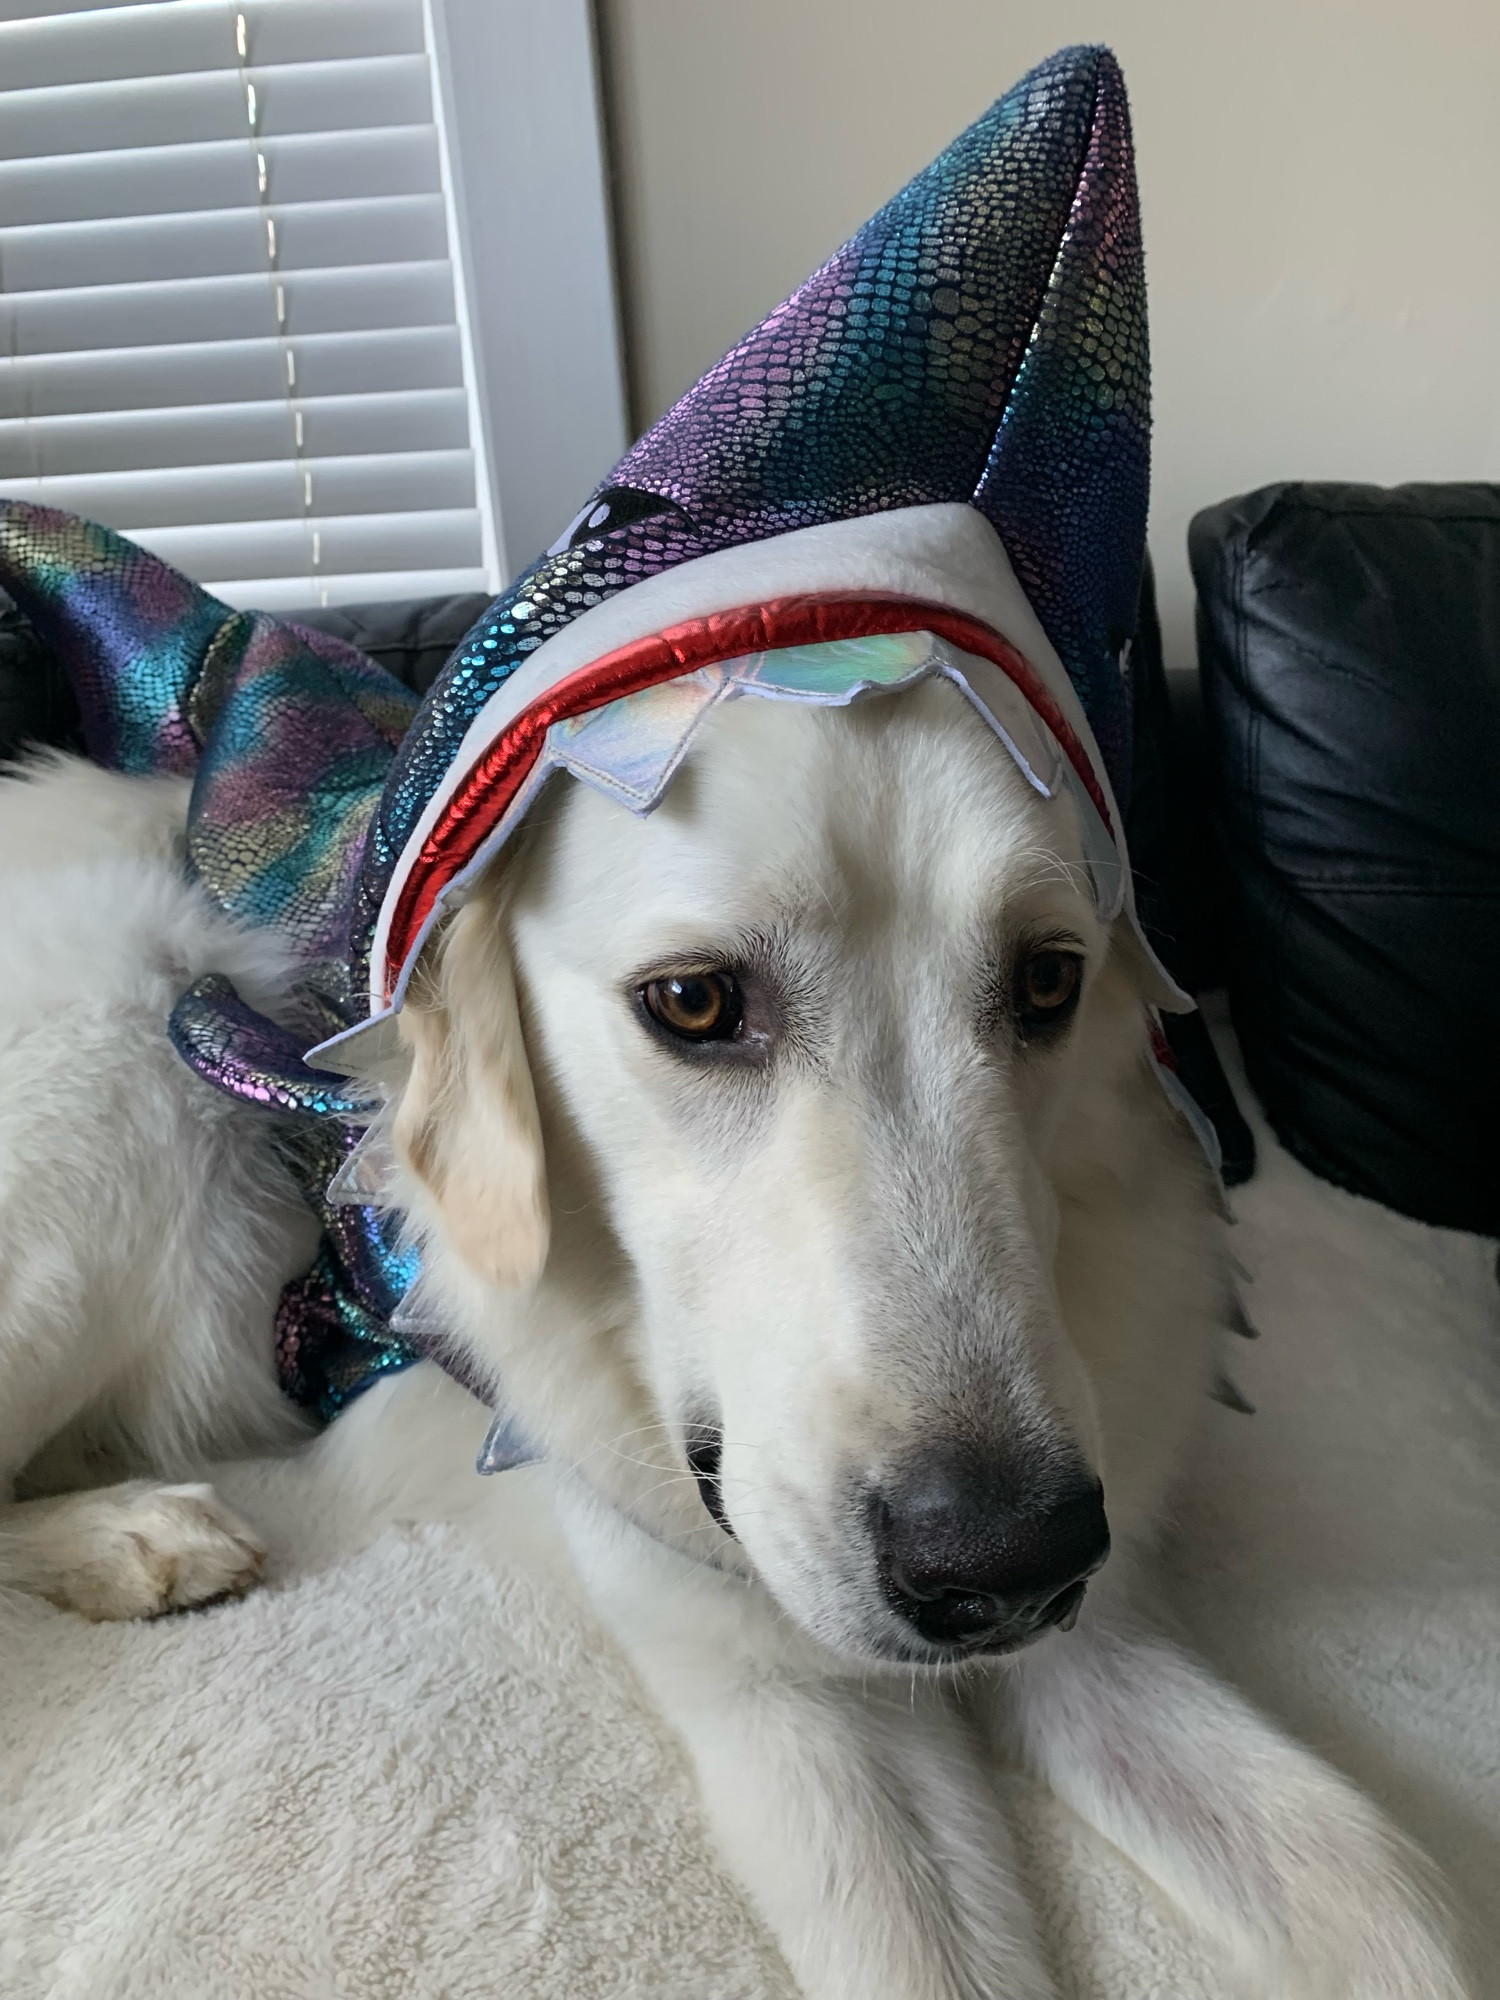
x: 230, y: 316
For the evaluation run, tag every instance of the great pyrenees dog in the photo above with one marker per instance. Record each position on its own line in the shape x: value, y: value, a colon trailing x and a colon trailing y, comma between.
x: 795, y: 1157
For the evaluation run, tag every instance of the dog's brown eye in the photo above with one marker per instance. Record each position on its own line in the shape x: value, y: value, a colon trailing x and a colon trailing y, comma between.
x: 1047, y: 987
x: 696, y: 1006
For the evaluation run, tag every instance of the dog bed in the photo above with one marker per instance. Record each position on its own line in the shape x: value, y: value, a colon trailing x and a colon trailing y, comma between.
x: 409, y: 1769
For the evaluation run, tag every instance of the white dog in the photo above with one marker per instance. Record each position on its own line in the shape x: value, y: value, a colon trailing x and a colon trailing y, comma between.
x: 794, y: 1157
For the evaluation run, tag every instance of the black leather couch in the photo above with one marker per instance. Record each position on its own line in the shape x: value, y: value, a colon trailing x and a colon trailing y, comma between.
x: 1349, y: 654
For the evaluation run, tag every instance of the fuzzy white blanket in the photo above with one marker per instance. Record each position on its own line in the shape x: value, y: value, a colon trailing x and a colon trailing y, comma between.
x: 410, y: 1770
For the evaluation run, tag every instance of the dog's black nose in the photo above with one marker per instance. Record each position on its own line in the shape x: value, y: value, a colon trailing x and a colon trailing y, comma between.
x: 979, y: 1564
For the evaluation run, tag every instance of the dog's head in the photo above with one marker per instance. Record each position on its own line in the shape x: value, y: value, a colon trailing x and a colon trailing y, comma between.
x: 794, y: 1060
x: 791, y: 1063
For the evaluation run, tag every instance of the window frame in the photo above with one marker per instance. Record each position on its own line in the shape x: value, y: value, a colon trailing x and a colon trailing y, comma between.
x: 520, y: 114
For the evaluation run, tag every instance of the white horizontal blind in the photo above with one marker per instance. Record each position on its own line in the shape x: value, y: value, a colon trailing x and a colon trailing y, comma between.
x: 229, y: 315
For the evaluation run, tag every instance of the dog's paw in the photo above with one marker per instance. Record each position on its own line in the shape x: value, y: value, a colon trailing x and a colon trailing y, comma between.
x: 137, y: 1550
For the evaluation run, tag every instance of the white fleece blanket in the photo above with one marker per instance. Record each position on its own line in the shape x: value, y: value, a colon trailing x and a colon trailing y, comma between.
x: 410, y: 1770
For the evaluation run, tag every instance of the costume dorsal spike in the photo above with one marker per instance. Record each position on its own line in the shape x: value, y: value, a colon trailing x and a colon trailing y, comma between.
x: 131, y: 633
x: 881, y: 382
x: 1068, y: 477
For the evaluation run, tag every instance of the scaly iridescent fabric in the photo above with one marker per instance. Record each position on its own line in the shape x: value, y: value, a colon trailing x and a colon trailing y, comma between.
x: 256, y: 1060
x: 333, y: 1334
x: 136, y: 632
x: 291, y: 733
x: 298, y: 743
x: 982, y: 339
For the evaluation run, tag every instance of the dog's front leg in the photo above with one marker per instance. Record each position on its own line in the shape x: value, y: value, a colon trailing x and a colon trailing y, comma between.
x: 1262, y: 1844
x: 857, y: 1816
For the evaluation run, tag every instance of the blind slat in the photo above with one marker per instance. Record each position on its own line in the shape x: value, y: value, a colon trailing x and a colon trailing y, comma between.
x: 227, y: 434
x: 25, y: 10
x: 391, y: 361
x: 231, y: 308
x: 387, y: 543
x: 407, y: 228
x: 295, y: 593
x: 274, y: 489
x: 209, y: 104
x: 220, y: 173
x: 176, y: 36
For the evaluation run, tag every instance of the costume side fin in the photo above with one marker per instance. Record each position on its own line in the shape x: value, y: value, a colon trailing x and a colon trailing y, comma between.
x: 131, y: 632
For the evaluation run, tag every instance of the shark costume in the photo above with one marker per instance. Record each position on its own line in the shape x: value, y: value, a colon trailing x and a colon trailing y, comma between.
x: 932, y: 459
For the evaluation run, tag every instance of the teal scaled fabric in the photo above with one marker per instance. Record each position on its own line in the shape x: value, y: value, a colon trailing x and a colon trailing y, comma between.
x: 289, y: 735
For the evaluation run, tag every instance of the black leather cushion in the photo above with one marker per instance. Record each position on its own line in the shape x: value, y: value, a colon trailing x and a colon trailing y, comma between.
x: 1349, y: 643
x: 411, y: 640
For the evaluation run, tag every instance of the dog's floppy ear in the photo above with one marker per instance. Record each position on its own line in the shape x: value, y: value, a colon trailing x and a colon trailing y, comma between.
x: 466, y: 1125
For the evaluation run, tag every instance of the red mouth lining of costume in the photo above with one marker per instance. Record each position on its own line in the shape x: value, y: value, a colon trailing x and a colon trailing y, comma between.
x: 474, y: 811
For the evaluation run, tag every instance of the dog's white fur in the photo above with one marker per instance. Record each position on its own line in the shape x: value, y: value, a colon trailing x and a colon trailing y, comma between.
x: 896, y: 1226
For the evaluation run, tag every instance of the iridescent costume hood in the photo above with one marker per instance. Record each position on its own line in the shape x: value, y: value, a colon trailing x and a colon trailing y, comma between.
x: 933, y: 457
x: 979, y: 345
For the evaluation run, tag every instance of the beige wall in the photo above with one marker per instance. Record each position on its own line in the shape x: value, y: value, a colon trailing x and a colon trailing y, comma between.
x: 1320, y: 181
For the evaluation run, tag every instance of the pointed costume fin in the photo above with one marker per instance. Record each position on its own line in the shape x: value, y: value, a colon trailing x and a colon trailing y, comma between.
x: 300, y: 746
x: 290, y: 732
x: 132, y: 633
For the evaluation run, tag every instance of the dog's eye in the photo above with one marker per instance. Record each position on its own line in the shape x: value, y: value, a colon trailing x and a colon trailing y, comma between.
x: 696, y: 1006
x: 1048, y: 984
